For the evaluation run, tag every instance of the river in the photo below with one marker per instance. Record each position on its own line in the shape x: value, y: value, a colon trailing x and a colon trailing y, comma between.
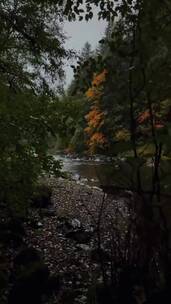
x: 93, y: 172
x: 101, y: 170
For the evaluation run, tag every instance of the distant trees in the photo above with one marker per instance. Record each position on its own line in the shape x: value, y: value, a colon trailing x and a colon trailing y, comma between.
x: 83, y: 72
x: 71, y: 123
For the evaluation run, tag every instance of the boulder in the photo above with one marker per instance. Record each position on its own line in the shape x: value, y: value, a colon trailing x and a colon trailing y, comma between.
x: 81, y: 236
x: 65, y: 224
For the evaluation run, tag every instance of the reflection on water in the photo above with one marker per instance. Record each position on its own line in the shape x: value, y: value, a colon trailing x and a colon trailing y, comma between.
x: 93, y: 172
x: 119, y: 171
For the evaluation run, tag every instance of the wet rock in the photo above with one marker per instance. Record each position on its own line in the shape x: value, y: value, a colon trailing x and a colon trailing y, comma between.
x: 84, y: 247
x: 76, y: 177
x: 96, y: 188
x: 68, y: 225
x: 80, y: 236
x: 73, y: 229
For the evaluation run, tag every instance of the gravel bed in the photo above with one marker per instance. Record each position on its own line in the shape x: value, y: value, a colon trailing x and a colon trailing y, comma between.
x: 64, y: 256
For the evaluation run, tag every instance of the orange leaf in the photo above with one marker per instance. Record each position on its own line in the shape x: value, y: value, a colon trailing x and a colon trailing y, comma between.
x: 143, y: 116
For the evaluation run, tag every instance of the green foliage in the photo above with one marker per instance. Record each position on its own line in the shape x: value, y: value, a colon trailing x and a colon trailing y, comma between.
x: 70, y: 130
x: 83, y: 71
x: 31, y: 47
x: 41, y: 197
x: 26, y: 123
x: 31, y: 57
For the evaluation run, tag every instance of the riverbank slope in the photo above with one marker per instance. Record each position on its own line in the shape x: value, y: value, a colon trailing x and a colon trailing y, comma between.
x: 68, y: 237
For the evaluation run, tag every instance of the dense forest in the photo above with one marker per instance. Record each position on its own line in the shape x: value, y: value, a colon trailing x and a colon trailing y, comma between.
x: 62, y: 242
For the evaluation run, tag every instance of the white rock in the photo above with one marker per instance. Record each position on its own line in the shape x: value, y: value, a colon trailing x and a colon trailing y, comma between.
x: 39, y: 224
x: 76, y: 223
x: 84, y: 247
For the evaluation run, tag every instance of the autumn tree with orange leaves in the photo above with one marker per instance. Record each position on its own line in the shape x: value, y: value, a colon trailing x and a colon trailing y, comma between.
x: 96, y: 138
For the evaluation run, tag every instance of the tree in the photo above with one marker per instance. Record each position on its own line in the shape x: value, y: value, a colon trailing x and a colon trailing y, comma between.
x: 86, y: 52
x: 31, y: 58
x: 31, y: 46
x: 83, y: 72
x: 70, y: 131
x: 95, y: 117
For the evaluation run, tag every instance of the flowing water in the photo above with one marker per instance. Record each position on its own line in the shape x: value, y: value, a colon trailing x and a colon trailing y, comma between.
x: 94, y: 171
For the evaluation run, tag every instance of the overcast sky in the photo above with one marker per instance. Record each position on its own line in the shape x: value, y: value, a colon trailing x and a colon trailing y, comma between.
x: 79, y: 33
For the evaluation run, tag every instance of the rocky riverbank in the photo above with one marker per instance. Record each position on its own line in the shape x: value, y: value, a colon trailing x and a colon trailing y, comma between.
x: 64, y: 247
x: 77, y: 245
x: 67, y: 236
